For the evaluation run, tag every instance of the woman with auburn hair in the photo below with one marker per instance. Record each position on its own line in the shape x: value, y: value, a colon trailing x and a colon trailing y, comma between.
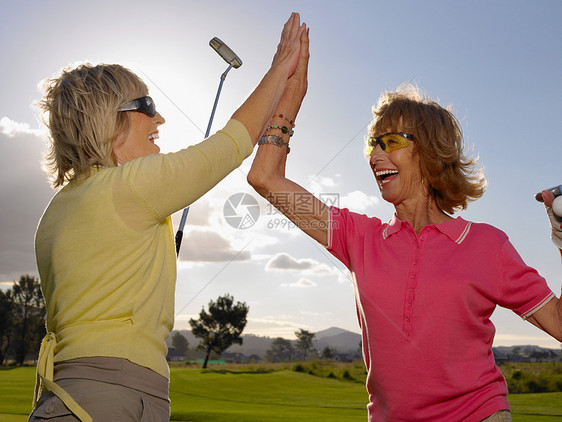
x: 449, y: 177
x: 105, y: 246
x: 425, y: 283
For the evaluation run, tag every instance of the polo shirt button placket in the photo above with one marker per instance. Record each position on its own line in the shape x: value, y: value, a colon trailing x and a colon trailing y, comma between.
x: 414, y: 269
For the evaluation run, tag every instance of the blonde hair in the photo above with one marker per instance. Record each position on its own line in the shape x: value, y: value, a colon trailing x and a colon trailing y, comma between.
x: 453, y: 179
x: 80, y: 110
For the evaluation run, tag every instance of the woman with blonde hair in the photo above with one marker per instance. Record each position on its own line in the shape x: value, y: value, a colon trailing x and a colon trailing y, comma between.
x: 104, y: 245
x: 425, y: 283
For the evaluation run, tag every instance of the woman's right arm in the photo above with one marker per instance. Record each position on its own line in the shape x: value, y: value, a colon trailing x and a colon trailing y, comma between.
x: 267, y: 174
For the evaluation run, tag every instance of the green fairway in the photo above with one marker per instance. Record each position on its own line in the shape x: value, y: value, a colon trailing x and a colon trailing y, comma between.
x: 16, y: 393
x: 271, y: 396
x: 540, y: 407
x: 244, y: 395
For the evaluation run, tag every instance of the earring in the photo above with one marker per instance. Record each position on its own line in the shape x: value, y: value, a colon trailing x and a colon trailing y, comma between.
x: 423, y: 189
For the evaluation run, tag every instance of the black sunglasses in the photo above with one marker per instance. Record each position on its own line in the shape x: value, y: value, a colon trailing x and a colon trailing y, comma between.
x: 143, y: 104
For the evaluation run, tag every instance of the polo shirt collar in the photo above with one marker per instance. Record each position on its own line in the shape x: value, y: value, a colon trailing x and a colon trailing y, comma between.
x: 456, y: 229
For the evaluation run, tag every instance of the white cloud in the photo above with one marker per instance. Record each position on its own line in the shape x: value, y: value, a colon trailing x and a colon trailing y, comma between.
x: 301, y: 283
x: 358, y: 201
x: 210, y: 246
x: 317, y: 185
x: 12, y: 129
x: 276, y: 326
x: 199, y: 214
x: 283, y: 261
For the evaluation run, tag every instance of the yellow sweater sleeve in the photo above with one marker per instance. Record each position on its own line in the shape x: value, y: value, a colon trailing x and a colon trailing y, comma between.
x: 166, y: 183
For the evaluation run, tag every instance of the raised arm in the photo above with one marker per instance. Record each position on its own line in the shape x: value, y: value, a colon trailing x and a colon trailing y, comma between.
x: 549, y: 317
x: 267, y: 174
x: 258, y: 108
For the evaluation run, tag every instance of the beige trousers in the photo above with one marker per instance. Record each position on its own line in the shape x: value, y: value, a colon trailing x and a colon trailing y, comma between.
x: 108, y: 389
x: 103, y: 402
x: 501, y: 416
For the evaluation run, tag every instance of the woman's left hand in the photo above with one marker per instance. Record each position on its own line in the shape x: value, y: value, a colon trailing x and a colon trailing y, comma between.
x: 290, y: 44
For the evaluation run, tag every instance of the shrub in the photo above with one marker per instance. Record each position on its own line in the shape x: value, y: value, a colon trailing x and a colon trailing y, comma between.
x: 298, y: 368
x: 346, y: 375
x: 533, y: 377
x: 517, y: 374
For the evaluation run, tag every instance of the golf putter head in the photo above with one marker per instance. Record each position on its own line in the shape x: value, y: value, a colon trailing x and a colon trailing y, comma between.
x: 225, y: 52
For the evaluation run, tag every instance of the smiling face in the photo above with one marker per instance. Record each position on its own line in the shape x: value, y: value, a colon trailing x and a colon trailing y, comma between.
x: 139, y: 140
x: 398, y: 174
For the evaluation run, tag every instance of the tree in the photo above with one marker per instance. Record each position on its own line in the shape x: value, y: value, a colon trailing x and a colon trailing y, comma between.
x: 6, y: 323
x: 304, y: 341
x: 280, y: 350
x: 328, y: 353
x: 221, y: 327
x: 28, y: 316
x: 180, y: 343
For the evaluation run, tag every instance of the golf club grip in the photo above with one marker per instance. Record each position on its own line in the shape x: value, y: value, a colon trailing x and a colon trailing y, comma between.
x: 179, y: 236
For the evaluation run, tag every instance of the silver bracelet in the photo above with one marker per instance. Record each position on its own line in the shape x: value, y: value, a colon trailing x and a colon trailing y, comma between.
x: 274, y: 140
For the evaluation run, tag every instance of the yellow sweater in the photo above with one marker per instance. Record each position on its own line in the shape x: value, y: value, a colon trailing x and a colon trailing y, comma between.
x: 106, y: 255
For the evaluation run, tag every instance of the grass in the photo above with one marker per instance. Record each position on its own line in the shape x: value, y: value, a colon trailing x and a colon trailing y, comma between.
x: 251, y: 393
x: 257, y: 396
x: 539, y: 407
x: 16, y: 392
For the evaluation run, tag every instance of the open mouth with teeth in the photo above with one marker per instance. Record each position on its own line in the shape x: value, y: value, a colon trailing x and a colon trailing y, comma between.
x: 153, y: 136
x: 385, y: 176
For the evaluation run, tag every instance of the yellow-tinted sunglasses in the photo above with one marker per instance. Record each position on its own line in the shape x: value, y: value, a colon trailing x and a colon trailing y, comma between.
x: 389, y: 141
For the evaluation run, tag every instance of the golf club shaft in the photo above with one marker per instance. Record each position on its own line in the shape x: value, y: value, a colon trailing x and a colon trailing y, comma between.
x: 179, y: 233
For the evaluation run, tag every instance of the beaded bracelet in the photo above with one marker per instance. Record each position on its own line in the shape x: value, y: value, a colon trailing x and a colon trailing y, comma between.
x: 281, y: 116
x: 274, y: 140
x: 283, y: 129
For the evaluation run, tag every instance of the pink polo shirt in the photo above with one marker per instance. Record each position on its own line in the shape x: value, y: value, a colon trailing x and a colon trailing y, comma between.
x: 424, y: 304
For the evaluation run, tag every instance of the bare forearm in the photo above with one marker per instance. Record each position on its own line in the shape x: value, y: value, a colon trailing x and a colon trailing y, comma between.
x: 267, y: 173
x: 549, y: 318
x: 558, y: 317
x: 267, y: 176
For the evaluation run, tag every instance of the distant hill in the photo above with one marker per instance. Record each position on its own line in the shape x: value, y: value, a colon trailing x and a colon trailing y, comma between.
x: 336, y: 338
x: 526, y: 353
x: 341, y: 340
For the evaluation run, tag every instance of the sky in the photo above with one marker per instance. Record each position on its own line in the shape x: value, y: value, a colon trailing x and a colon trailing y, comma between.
x: 497, y: 63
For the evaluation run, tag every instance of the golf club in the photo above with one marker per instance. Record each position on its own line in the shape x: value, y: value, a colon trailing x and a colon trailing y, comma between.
x: 234, y: 62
